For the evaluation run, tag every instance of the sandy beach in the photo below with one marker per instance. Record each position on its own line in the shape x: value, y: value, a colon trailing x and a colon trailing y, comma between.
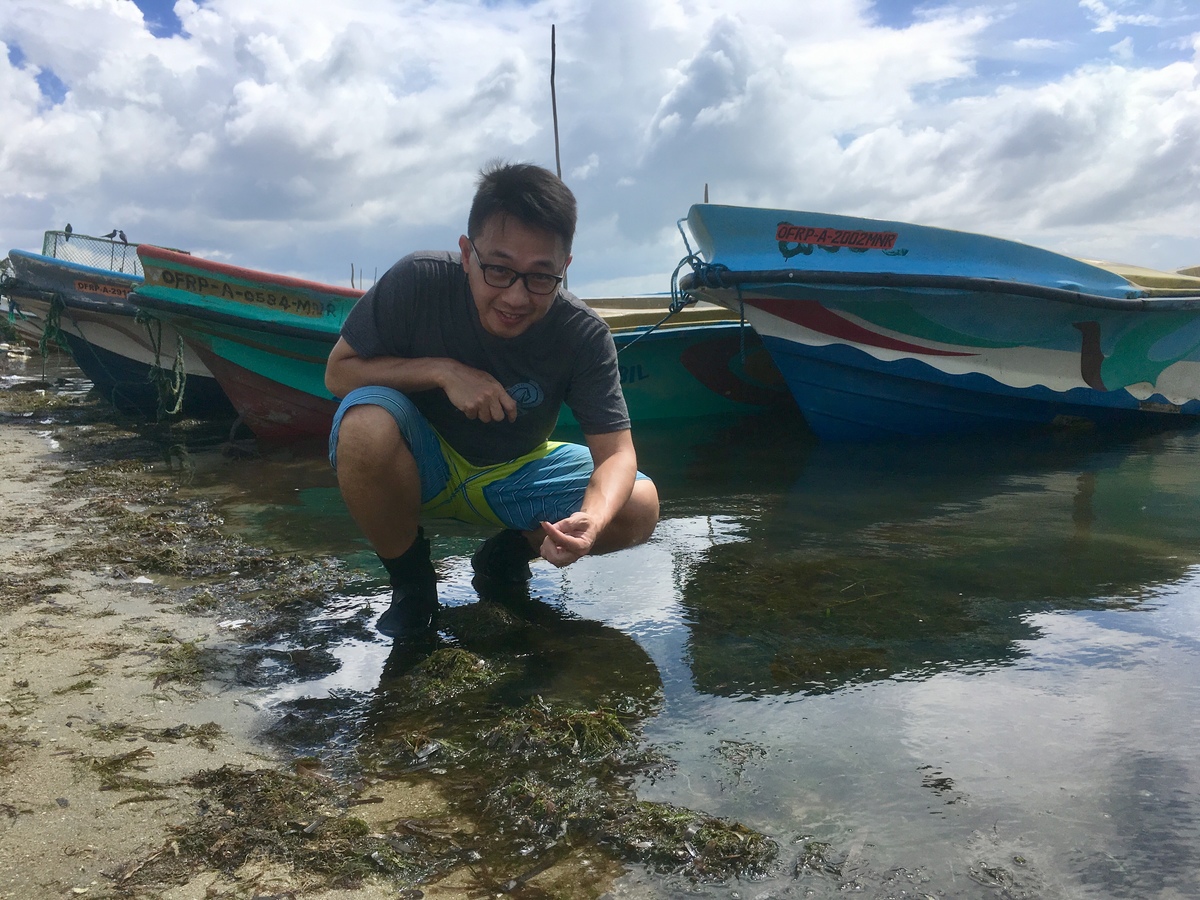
x: 79, y: 653
x: 97, y: 733
x: 116, y: 697
x: 85, y: 695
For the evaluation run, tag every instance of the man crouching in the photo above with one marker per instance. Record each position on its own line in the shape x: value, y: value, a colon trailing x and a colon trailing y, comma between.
x: 453, y: 369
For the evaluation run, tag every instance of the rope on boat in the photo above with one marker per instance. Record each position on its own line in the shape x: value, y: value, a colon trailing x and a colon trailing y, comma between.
x: 704, y: 275
x: 15, y: 312
x: 52, y: 333
x: 6, y: 279
x: 170, y: 385
x: 679, y: 300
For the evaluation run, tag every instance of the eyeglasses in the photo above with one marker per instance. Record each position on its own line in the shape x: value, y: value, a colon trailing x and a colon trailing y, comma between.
x: 504, y: 277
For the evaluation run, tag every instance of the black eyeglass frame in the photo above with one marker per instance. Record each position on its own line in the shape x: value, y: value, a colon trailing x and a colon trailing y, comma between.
x: 509, y: 275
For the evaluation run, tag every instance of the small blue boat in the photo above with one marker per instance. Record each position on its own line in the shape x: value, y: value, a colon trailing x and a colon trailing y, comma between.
x: 139, y: 365
x: 887, y: 329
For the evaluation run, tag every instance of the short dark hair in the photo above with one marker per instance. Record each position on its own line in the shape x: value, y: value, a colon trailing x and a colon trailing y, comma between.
x: 534, y: 196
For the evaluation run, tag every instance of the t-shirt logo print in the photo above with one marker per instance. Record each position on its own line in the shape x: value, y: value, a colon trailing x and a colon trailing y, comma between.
x: 528, y: 395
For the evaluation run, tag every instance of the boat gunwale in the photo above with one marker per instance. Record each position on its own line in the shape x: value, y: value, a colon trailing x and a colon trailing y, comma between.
x: 28, y: 256
x: 182, y: 310
x: 70, y: 299
x: 170, y: 259
x: 715, y: 276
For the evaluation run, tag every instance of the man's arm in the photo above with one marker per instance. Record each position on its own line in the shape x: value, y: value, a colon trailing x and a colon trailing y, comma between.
x: 607, y: 493
x: 476, y: 393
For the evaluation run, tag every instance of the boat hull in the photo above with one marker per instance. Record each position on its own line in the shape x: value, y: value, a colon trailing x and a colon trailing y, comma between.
x: 265, y: 337
x: 119, y: 354
x: 275, y: 380
x: 849, y: 395
x: 29, y: 327
x: 921, y: 343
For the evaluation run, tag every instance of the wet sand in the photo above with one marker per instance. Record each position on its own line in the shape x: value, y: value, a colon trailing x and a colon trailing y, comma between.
x: 77, y: 651
x: 85, y: 712
x: 80, y: 700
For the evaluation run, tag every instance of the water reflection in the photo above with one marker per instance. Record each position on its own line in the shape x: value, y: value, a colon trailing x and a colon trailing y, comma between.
x: 874, y: 564
x: 963, y: 668
x: 785, y: 566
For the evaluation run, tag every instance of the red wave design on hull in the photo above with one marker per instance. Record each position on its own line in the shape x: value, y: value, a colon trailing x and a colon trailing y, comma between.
x: 812, y: 315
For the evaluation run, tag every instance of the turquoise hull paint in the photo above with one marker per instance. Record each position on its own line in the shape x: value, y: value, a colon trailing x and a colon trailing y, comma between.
x: 266, y: 340
x: 892, y: 329
x: 715, y: 369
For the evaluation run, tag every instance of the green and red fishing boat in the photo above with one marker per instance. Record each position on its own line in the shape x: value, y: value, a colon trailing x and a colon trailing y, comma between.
x: 266, y: 337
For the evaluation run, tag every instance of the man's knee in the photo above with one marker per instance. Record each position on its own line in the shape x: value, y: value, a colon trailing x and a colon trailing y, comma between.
x: 642, y: 510
x: 635, y: 522
x: 366, y: 434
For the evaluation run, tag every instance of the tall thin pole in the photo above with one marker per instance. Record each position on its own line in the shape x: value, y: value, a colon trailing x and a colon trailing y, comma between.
x: 554, y: 110
x: 554, y: 104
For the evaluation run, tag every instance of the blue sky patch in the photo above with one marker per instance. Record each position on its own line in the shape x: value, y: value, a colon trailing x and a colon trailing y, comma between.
x: 160, y: 17
x: 52, y: 87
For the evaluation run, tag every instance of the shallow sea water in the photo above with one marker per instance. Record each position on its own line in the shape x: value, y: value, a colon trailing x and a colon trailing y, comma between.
x: 950, y: 668
x: 960, y: 668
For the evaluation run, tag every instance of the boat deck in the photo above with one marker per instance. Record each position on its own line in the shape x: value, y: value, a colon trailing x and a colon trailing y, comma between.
x: 1184, y: 283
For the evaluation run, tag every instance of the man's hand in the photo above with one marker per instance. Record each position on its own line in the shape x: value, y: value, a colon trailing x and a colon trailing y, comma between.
x: 569, y: 539
x: 478, y: 395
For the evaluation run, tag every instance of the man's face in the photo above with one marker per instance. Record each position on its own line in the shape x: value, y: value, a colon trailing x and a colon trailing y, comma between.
x: 505, y: 241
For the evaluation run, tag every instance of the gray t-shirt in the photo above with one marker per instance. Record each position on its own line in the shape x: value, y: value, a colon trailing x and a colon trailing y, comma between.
x: 423, y: 307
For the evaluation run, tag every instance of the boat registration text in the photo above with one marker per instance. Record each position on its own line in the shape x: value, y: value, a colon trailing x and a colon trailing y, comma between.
x: 106, y: 290
x: 294, y: 304
x: 835, y: 237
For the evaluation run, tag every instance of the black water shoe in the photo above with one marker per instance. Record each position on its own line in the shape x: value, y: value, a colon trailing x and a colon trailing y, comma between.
x: 414, y: 592
x: 504, y: 558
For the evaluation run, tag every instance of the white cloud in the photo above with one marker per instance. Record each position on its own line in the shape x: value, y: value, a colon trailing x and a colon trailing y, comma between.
x: 1108, y: 16
x: 300, y: 136
x: 1040, y: 44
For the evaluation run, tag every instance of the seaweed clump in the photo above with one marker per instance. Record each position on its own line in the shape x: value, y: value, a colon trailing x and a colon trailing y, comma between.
x: 147, y: 527
x: 540, y: 730
x: 13, y: 742
x: 574, y: 788
x: 446, y: 673
x: 297, y: 820
x: 666, y: 838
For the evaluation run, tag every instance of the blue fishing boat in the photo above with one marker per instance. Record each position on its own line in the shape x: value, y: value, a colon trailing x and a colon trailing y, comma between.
x: 140, y: 366
x: 266, y: 338
x: 886, y: 329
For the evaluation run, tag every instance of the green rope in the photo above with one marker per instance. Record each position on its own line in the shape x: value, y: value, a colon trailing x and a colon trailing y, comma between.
x: 169, y: 384
x: 52, y: 333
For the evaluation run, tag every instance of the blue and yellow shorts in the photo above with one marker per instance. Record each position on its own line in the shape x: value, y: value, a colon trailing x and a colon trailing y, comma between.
x: 545, y: 485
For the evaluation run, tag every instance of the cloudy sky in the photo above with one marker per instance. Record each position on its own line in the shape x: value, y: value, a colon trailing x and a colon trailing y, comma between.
x: 305, y: 136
